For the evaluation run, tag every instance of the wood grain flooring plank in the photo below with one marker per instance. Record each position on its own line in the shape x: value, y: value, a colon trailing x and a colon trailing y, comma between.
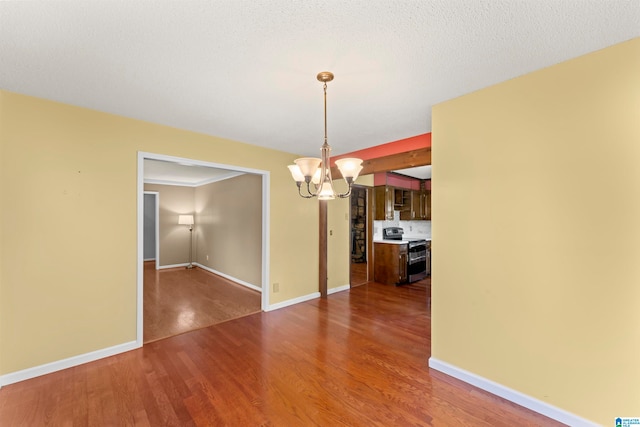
x: 180, y: 300
x: 356, y: 358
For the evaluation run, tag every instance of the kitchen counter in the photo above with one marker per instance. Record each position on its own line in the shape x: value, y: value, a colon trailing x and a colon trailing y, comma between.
x: 428, y: 239
x: 392, y: 242
x: 401, y: 242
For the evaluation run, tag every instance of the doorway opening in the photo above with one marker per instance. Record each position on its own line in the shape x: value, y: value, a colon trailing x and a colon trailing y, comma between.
x: 259, y: 285
x: 361, y: 229
x: 151, y: 248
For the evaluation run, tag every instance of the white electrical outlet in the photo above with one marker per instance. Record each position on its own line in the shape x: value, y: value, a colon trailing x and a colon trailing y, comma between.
x: 207, y: 257
x: 276, y: 287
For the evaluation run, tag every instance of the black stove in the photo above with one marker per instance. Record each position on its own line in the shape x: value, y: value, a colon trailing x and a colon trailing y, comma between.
x: 392, y: 233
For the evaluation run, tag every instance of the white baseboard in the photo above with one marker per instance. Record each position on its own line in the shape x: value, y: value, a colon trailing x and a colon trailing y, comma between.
x: 292, y: 301
x: 512, y: 395
x: 338, y: 289
x: 162, y: 267
x: 59, y: 365
x: 226, y: 276
x: 306, y: 298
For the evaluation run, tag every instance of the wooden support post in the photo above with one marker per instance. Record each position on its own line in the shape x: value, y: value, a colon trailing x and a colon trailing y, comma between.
x: 322, y: 279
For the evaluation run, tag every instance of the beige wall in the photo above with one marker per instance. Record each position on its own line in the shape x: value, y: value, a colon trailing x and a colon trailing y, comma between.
x: 536, y: 207
x: 338, y: 238
x: 174, y: 238
x: 228, y: 226
x: 69, y: 225
x: 229, y: 231
x: 365, y: 180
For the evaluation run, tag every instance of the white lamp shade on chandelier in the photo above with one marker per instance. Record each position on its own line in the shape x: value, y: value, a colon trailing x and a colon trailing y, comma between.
x: 316, y: 171
x: 308, y: 165
x: 349, y: 167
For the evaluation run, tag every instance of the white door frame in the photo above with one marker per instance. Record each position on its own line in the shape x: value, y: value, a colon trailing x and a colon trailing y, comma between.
x: 140, y: 196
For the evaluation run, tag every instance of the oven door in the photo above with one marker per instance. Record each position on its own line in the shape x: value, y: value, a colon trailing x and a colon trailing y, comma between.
x: 417, y: 261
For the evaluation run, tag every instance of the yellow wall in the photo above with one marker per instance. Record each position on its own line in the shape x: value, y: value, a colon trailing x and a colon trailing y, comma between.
x: 68, y: 191
x: 338, y: 238
x: 366, y: 180
x: 536, y: 208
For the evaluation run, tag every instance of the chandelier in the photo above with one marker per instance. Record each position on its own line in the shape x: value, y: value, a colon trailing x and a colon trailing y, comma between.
x: 312, y: 170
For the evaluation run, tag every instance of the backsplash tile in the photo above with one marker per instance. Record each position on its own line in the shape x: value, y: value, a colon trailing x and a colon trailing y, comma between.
x: 416, y: 228
x: 411, y: 228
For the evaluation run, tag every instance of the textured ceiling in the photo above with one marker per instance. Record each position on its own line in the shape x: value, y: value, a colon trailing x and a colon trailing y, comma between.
x: 246, y: 69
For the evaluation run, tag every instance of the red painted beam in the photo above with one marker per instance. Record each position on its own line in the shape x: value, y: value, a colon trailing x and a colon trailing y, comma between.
x: 395, y: 147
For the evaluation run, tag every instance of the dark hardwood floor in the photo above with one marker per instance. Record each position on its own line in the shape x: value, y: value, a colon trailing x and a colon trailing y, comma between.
x: 180, y: 300
x: 356, y: 358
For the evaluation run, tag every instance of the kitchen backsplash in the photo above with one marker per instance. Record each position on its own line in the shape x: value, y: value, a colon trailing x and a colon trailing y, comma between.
x: 411, y: 228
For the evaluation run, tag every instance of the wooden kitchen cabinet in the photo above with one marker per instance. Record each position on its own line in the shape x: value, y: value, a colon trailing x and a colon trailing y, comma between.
x: 428, y: 258
x: 402, y: 202
x: 427, y: 205
x: 401, y: 199
x: 413, y: 205
x: 424, y: 205
x: 420, y: 206
x: 384, y: 197
x: 390, y: 263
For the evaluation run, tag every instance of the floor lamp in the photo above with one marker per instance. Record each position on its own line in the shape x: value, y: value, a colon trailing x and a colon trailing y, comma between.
x: 188, y: 220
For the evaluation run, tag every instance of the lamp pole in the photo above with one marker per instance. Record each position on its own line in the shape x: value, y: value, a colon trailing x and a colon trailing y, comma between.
x: 190, y: 246
x: 188, y: 220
